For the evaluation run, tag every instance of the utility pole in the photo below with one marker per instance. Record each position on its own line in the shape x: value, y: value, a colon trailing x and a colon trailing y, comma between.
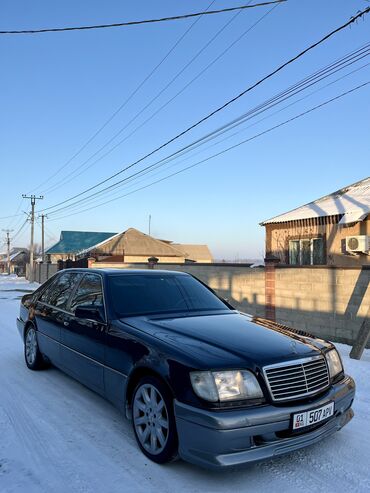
x: 150, y: 221
x: 8, y: 231
x: 43, y: 217
x: 33, y: 199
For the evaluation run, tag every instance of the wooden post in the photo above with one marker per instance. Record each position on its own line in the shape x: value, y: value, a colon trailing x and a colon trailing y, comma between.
x: 362, y: 338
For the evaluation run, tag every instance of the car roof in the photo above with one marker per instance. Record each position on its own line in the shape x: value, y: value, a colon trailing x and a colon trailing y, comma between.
x: 123, y: 272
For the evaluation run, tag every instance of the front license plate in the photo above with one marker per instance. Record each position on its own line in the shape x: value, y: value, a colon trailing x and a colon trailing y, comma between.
x: 308, y: 418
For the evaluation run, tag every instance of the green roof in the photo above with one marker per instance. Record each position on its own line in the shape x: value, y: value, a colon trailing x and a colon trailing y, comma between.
x: 75, y: 241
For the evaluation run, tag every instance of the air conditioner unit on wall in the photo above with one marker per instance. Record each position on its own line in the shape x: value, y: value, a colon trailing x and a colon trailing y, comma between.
x: 358, y: 244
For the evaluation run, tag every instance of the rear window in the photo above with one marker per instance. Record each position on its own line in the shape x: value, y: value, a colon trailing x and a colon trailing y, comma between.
x: 154, y: 294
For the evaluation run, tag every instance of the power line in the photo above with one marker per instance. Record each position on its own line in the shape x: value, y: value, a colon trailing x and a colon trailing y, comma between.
x: 247, y: 116
x: 13, y: 220
x: 47, y: 232
x: 293, y: 90
x: 92, y: 200
x: 123, y: 105
x: 296, y: 88
x: 222, y: 107
x: 20, y: 230
x: 270, y: 103
x: 84, y: 168
x: 237, y: 122
x: 50, y: 237
x: 13, y: 216
x: 10, y: 216
x: 147, y: 105
x: 140, y: 22
x: 229, y: 148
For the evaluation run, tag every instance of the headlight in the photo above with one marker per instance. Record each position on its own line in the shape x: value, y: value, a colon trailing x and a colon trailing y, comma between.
x: 334, y: 363
x: 225, y: 385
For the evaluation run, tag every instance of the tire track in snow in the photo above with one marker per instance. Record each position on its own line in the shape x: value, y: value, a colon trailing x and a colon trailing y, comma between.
x: 31, y: 437
x: 50, y: 393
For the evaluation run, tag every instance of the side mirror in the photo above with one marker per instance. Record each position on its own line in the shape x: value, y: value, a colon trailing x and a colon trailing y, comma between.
x: 90, y: 312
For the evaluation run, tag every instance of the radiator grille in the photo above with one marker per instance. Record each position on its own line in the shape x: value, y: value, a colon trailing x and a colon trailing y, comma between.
x: 297, y: 379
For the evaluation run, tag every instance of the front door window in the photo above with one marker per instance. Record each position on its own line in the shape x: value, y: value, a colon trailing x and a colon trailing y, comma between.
x: 58, y: 293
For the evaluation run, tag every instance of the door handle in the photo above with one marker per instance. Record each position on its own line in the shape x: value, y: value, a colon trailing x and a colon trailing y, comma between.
x: 65, y: 323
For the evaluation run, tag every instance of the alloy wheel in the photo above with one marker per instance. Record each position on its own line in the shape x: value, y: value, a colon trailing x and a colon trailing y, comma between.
x: 31, y: 346
x: 150, y: 417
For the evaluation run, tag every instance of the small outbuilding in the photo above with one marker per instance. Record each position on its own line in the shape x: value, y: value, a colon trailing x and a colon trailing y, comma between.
x: 18, y: 259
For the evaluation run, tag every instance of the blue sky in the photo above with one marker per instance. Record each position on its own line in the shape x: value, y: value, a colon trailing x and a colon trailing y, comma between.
x: 57, y: 89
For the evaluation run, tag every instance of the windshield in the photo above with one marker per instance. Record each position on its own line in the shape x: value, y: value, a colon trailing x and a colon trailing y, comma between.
x: 154, y: 294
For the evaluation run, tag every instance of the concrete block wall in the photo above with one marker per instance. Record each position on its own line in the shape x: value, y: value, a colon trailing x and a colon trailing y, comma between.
x: 242, y: 286
x: 329, y: 302
x: 42, y: 271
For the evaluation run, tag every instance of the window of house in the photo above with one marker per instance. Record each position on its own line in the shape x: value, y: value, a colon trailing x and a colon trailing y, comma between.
x: 318, y: 251
x: 294, y: 252
x: 306, y: 252
x: 305, y: 247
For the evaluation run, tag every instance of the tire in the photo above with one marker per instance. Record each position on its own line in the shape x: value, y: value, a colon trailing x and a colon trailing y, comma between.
x: 154, y: 421
x: 32, y: 355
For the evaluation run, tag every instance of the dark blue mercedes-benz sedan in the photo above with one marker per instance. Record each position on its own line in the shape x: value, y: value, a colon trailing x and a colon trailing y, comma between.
x: 198, y: 379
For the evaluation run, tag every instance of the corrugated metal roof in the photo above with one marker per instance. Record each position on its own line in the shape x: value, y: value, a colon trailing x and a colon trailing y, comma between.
x: 352, y: 203
x: 75, y: 241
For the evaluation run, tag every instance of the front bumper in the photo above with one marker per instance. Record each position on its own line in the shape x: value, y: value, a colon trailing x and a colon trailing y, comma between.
x: 216, y: 439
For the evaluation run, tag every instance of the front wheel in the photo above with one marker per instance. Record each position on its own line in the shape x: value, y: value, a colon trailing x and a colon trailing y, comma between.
x: 153, y: 420
x: 32, y: 355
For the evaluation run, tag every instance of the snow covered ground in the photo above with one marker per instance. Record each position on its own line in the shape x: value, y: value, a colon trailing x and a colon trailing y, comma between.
x: 55, y: 435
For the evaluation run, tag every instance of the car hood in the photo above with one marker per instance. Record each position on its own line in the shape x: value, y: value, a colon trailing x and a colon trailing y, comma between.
x: 230, y: 339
